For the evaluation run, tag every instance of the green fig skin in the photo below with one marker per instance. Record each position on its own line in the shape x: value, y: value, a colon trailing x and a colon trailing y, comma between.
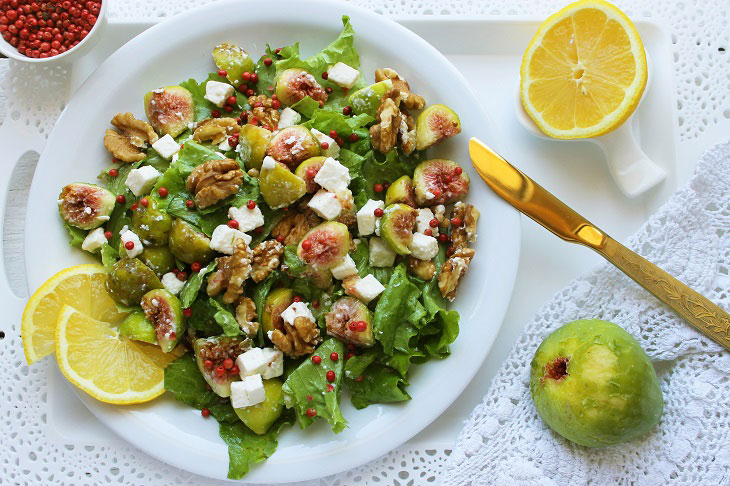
x: 606, y: 393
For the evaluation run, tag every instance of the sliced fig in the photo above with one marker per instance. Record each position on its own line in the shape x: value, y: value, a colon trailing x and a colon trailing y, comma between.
x: 367, y: 100
x: 396, y: 227
x: 295, y: 84
x: 188, y: 244
x: 260, y: 417
x: 159, y: 258
x: 164, y: 311
x: 170, y: 110
x: 292, y: 146
x: 351, y: 321
x: 308, y: 169
x: 435, y: 124
x: 324, y: 246
x: 401, y: 191
x: 276, y: 302
x: 129, y: 279
x: 151, y: 224
x: 210, y: 355
x: 234, y: 60
x: 320, y: 277
x: 137, y: 327
x: 85, y: 206
x: 252, y: 143
x: 439, y: 181
x: 280, y: 187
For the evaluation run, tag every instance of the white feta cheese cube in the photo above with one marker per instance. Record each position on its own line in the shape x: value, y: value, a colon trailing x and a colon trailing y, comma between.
x: 166, y: 147
x: 247, y: 392
x: 252, y: 362
x: 368, y: 288
x: 224, y: 145
x: 130, y: 236
x: 223, y: 237
x: 172, y: 284
x: 217, y: 92
x: 296, y: 309
x: 332, y: 150
x: 343, y: 75
x: 288, y: 118
x: 274, y: 363
x: 325, y: 204
x: 366, y: 217
x: 423, y: 221
x: 423, y: 247
x: 345, y: 269
x: 140, y: 181
x: 377, y: 227
x: 248, y: 219
x: 94, y: 240
x: 381, y: 254
x: 268, y: 163
x: 333, y: 176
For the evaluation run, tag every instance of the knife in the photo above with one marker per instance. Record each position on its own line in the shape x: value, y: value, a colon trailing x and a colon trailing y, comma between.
x: 531, y: 199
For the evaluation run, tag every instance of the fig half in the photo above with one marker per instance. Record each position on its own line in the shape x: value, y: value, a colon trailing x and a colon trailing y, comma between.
x: 439, y: 181
x: 351, y: 321
x: 252, y: 143
x: 188, y: 244
x: 367, y: 100
x: 401, y: 191
x: 129, y: 279
x: 396, y: 227
x: 151, y: 224
x: 308, y: 169
x: 324, y: 246
x: 85, y: 206
x: 435, y: 124
x: 260, y: 417
x: 295, y: 84
x: 164, y: 311
x: 211, y: 354
x: 234, y: 60
x: 137, y: 327
x: 170, y: 110
x: 292, y: 146
x: 280, y: 187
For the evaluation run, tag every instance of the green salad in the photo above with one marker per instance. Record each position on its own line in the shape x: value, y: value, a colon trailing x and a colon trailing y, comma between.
x: 280, y: 225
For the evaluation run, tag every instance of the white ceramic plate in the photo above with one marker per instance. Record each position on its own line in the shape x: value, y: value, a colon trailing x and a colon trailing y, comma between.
x: 179, y: 49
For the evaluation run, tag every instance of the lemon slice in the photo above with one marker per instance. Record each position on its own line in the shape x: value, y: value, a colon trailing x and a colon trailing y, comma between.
x: 83, y: 287
x: 584, y: 72
x: 109, y: 367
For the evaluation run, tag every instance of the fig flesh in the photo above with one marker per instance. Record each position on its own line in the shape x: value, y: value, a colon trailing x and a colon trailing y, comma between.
x: 308, y: 169
x: 164, y: 311
x: 280, y: 187
x: 188, y: 244
x: 435, y: 124
x: 292, y: 146
x: 439, y: 181
x: 252, y: 143
x: 234, y: 60
x: 137, y: 327
x: 170, y: 110
x: 129, y: 279
x: 85, y: 206
x: 401, y: 191
x: 295, y: 84
x: 351, y: 321
x: 276, y: 302
x: 325, y: 245
x: 260, y: 417
x: 396, y: 227
x: 210, y: 353
x: 151, y: 224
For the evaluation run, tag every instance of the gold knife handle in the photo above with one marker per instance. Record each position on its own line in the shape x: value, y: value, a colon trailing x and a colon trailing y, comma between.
x: 699, y: 311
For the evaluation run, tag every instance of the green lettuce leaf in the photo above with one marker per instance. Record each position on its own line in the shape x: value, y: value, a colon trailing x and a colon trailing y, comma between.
x: 378, y: 385
x: 109, y: 256
x: 224, y: 318
x: 204, y: 222
x: 193, y: 284
x: 361, y: 257
x: 203, y: 107
x: 309, y: 381
x: 272, y: 217
x: 294, y: 266
x: 76, y: 236
x: 202, y: 319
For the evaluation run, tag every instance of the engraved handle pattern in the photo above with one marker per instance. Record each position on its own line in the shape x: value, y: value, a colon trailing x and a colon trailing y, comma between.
x: 699, y: 311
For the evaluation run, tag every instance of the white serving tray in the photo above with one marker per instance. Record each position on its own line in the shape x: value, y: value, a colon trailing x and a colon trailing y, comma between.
x: 488, y: 52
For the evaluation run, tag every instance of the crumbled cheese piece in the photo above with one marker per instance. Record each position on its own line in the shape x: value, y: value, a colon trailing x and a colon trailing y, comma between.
x: 345, y: 269
x: 429, y: 195
x: 248, y: 219
x: 141, y: 180
x: 423, y: 221
x: 274, y: 363
x: 267, y: 362
x: 377, y: 227
x: 223, y: 238
x: 343, y: 75
x: 171, y: 283
x: 333, y: 176
x: 247, y: 392
x: 128, y: 236
x: 423, y: 247
x: 368, y: 288
x: 288, y: 118
x: 268, y: 163
x: 366, y: 217
x: 325, y: 204
x: 217, y: 92
x: 166, y: 147
x: 225, y: 146
x: 94, y: 240
x: 332, y: 150
x: 381, y: 254
x: 296, y: 309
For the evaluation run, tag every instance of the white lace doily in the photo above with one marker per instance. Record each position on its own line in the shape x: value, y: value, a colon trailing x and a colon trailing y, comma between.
x: 505, y: 441
x: 701, y: 38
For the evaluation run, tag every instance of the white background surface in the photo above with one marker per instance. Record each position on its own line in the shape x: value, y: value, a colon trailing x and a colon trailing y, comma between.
x: 698, y: 31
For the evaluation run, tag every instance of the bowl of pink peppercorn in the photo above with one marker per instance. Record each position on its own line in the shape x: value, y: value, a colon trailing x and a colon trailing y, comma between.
x: 44, y: 31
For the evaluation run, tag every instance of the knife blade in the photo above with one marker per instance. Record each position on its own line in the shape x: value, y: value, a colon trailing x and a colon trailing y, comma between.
x: 533, y: 200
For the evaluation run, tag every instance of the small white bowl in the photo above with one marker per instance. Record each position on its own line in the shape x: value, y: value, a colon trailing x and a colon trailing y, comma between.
x: 79, y: 49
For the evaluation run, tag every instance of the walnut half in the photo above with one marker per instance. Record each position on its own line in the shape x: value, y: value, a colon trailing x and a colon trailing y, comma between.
x: 121, y: 148
x: 266, y: 259
x: 467, y: 232
x: 411, y: 101
x: 295, y: 225
x: 246, y: 316
x: 139, y: 132
x: 214, y: 181
x: 232, y: 273
x: 452, y: 270
x: 262, y: 107
x: 297, y: 340
x: 215, y: 130
x: 384, y: 134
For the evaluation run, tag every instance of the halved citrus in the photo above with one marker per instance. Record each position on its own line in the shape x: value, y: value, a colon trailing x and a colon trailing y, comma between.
x: 83, y: 287
x: 107, y: 366
x: 584, y: 72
